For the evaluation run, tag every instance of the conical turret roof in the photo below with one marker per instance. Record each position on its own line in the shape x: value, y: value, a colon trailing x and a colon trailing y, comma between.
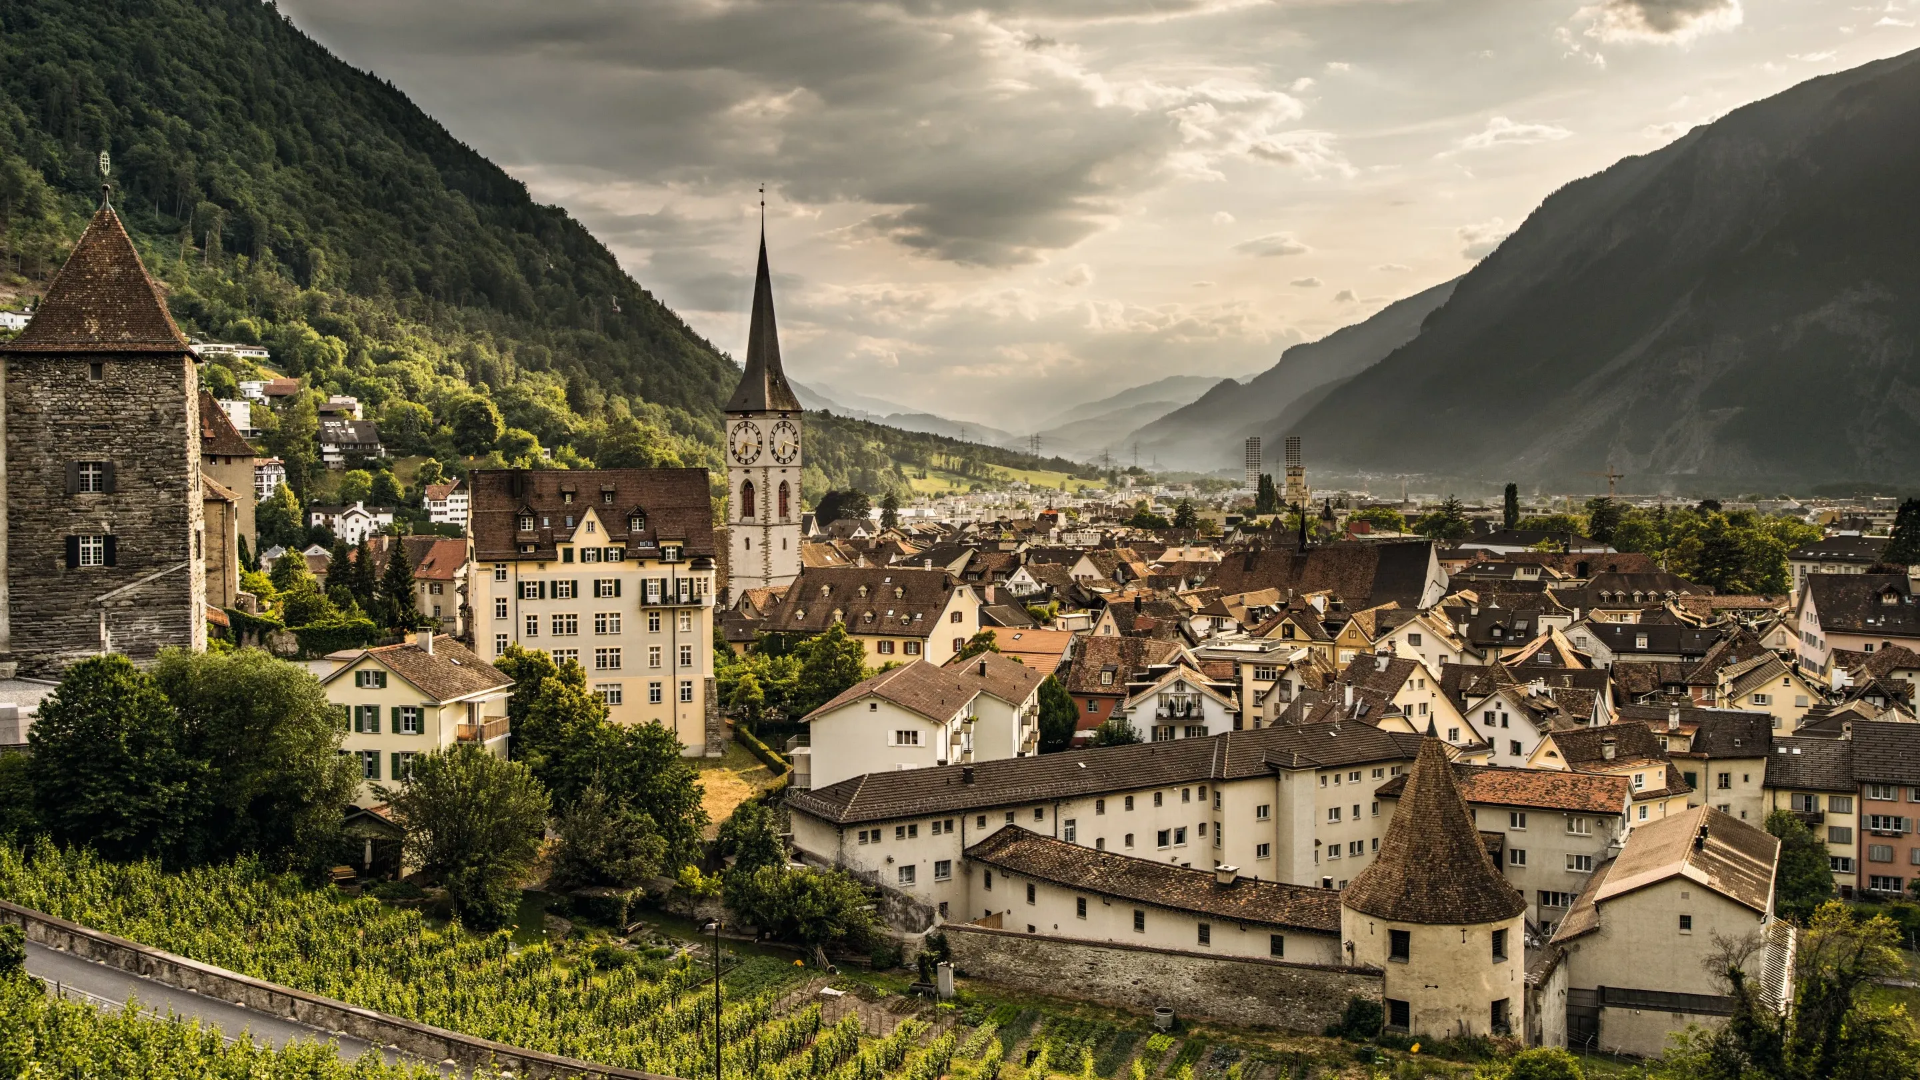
x: 763, y: 385
x: 1432, y: 867
x: 102, y: 300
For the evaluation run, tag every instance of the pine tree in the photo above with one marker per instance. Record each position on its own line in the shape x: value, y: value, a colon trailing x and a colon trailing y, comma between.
x: 1903, y: 546
x: 1510, y: 511
x: 363, y: 580
x: 890, y: 511
x: 396, y: 589
x: 1267, y: 499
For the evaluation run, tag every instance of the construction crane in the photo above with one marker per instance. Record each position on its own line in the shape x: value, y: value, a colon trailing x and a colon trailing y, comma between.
x: 1612, y: 478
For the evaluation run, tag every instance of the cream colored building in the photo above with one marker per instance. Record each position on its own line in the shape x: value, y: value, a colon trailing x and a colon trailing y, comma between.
x: 414, y: 698
x: 1639, y: 939
x: 1813, y: 780
x: 919, y: 716
x: 612, y: 569
x: 1027, y: 882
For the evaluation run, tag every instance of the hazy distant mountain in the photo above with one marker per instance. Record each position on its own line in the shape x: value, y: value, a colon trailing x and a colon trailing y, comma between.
x: 1738, y: 309
x: 823, y: 398
x: 1176, y: 390
x: 1085, y: 439
x: 1207, y: 434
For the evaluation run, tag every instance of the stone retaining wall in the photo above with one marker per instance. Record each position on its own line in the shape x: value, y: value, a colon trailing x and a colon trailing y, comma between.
x: 1237, y: 990
x: 418, y: 1040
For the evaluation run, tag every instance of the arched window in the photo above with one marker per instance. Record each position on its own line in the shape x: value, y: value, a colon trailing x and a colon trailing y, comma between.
x: 746, y: 499
x: 784, y: 514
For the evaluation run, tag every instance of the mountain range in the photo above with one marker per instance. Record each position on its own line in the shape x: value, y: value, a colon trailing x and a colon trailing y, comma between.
x: 1737, y: 310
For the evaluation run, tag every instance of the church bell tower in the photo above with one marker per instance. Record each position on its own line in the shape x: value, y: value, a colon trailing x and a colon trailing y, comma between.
x: 763, y: 457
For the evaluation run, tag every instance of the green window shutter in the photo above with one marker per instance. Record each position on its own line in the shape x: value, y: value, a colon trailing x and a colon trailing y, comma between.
x: 373, y: 764
x: 541, y: 588
x: 576, y: 588
x: 396, y: 720
x: 346, y: 713
x: 373, y: 719
x: 397, y: 773
x: 380, y: 679
x: 616, y: 587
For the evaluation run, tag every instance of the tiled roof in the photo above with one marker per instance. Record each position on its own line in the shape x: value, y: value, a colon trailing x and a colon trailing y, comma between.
x: 1852, y: 603
x: 1586, y: 748
x: 1010, y: 781
x: 675, y: 502
x: 450, y: 672
x: 1633, y: 679
x: 217, y: 434
x: 1532, y: 789
x: 1886, y: 752
x: 435, y: 558
x: 214, y: 489
x: 1732, y: 858
x: 1432, y: 867
x: 934, y: 692
x: 1860, y: 549
x: 1123, y: 656
x: 1811, y: 764
x: 1662, y: 638
x: 1143, y: 881
x: 1361, y: 574
x: 102, y: 300
x: 1042, y: 650
x: 898, y: 600
x: 1002, y: 676
x: 1730, y: 733
x: 1878, y: 662
x: 439, y: 492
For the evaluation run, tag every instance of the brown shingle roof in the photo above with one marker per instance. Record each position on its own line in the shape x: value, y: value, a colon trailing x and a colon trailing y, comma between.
x: 1733, y: 859
x: 1432, y: 867
x: 450, y: 672
x: 1534, y: 789
x: 1010, y: 781
x: 1002, y: 676
x: 1124, y: 656
x: 898, y: 600
x: 1811, y: 764
x: 1886, y: 752
x: 933, y: 692
x: 102, y: 300
x: 1015, y: 850
x: 675, y: 502
x: 217, y: 434
x: 1360, y: 574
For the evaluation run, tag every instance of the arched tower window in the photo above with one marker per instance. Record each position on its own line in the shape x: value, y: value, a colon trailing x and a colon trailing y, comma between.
x: 783, y: 501
x: 746, y: 499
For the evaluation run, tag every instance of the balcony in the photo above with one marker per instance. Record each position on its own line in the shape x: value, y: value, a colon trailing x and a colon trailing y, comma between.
x: 1809, y: 818
x: 487, y: 732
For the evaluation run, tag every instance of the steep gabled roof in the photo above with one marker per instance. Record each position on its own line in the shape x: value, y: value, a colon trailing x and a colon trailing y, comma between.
x: 102, y: 300
x: 218, y: 436
x: 1703, y: 845
x: 763, y: 384
x: 1432, y: 867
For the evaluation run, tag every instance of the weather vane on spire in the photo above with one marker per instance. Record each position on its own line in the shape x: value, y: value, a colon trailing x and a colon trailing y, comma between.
x: 106, y: 169
x: 763, y: 208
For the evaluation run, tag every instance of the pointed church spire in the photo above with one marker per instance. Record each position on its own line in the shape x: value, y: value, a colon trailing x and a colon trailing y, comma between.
x: 102, y: 300
x: 763, y: 385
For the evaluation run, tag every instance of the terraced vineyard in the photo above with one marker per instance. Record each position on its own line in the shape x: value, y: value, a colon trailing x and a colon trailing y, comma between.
x: 604, y: 1005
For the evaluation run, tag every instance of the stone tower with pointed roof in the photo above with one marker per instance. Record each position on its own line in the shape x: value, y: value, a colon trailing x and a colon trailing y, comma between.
x: 1434, y: 913
x: 104, y: 542
x: 763, y: 457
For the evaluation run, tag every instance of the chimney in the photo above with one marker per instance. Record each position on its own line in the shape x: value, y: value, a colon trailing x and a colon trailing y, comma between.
x: 1380, y: 662
x: 1349, y: 695
x: 1673, y: 718
x: 1607, y: 748
x: 983, y: 667
x: 1136, y: 603
x: 966, y: 774
x: 1225, y: 875
x: 423, y: 637
x: 1700, y: 838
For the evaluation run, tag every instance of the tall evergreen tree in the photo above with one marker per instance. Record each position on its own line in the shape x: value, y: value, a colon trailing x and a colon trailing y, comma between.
x: 1266, y: 499
x: 1903, y: 546
x: 890, y: 511
x: 1510, y: 509
x: 396, y: 589
x: 1058, y: 717
x: 364, y: 580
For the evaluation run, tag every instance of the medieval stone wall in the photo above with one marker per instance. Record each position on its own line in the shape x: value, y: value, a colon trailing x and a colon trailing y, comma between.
x: 142, y: 415
x: 1238, y: 990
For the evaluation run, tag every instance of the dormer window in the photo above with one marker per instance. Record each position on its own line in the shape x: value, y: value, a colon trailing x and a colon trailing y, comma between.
x: 526, y: 522
x: 839, y: 615
x: 566, y: 497
x: 826, y: 590
x: 863, y: 590
x: 1889, y: 598
x: 606, y: 497
x: 636, y: 522
x: 898, y: 592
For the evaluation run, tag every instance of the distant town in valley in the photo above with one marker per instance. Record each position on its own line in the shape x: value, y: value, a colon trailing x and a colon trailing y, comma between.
x: 425, y: 653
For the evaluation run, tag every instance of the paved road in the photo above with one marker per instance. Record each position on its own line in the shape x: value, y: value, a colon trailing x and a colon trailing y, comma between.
x: 107, y: 987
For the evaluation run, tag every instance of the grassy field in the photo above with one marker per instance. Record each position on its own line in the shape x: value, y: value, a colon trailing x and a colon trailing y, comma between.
x: 941, y: 482
x: 729, y: 781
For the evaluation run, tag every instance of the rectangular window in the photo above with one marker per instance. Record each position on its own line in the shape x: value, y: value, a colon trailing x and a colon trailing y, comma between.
x: 609, y: 693
x: 1128, y: 841
x: 1139, y: 921
x: 912, y: 648
x: 1277, y: 946
x: 1686, y: 924
x: 1263, y: 812
x: 566, y: 625
x: 907, y: 874
x: 1030, y: 892
x: 1263, y: 851
x: 1399, y: 945
x: 1516, y: 856
x: 403, y: 764
x: 686, y: 691
x: 1099, y: 807
x: 686, y: 656
x: 653, y: 656
x: 653, y: 622
x: 606, y: 659
x: 367, y: 678
x: 1880, y: 883
x: 883, y: 647
x: 1070, y: 832
x: 89, y: 551
x: 1165, y: 837
x: 370, y: 764
x: 1579, y: 864
x: 564, y: 656
x: 533, y: 626
x: 1333, y: 815
x: 1180, y: 836
x: 566, y: 590
x: 606, y: 588
x: 1886, y: 823
x: 532, y: 590
x: 1580, y: 826
x: 1840, y: 804
x: 499, y: 644
x: 1206, y: 934
x: 1499, y: 946
x: 943, y: 869
x: 1879, y: 852
x: 1881, y: 792
x: 1517, y: 820
x: 653, y: 693
x: 406, y: 719
x: 89, y: 477
x: 606, y: 622
x: 1840, y: 864
x: 499, y: 607
x: 906, y: 738
x: 1079, y: 907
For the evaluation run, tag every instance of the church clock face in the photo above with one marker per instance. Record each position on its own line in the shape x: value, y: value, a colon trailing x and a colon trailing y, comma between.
x: 745, y: 444
x: 786, y: 442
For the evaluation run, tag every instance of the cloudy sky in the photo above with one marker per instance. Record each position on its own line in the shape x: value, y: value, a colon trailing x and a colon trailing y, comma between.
x: 996, y: 209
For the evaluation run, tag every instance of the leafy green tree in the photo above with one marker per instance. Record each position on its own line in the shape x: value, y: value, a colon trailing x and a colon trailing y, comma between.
x: 747, y: 700
x: 303, y: 604
x: 476, y: 425
x: 1115, y: 731
x: 1603, y: 519
x: 1058, y: 717
x: 386, y: 490
x: 429, y: 472
x: 830, y: 662
x: 630, y: 444
x: 1560, y: 526
x: 396, y: 597
x: 1449, y: 522
x: 474, y: 821
x: 1903, y: 544
x: 837, y: 505
x: 290, y: 570
x: 603, y: 842
x: 890, y: 511
x: 296, y: 445
x: 356, y: 485
x: 19, y: 822
x: 1144, y: 517
x: 1184, y: 516
x: 1381, y: 517
x: 819, y: 909
x: 108, y: 768
x: 641, y: 768
x: 1804, y: 880
x: 1510, y: 507
x: 278, y: 519
x: 269, y: 739
x: 1266, y: 499
x: 751, y: 837
x: 550, y: 712
x: 983, y: 641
